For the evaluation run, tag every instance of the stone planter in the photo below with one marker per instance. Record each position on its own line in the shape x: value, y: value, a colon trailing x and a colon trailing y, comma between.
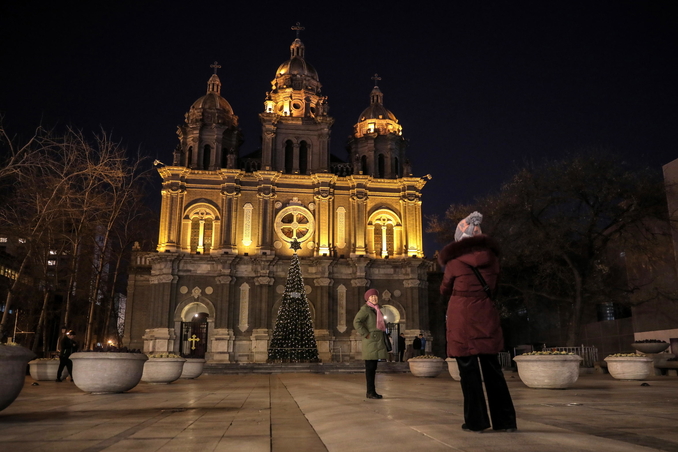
x: 107, y: 372
x: 548, y: 371
x: 630, y: 367
x: 13, y: 361
x: 650, y: 347
x: 453, y: 369
x: 426, y: 367
x: 193, y: 368
x: 162, y: 370
x: 46, y: 369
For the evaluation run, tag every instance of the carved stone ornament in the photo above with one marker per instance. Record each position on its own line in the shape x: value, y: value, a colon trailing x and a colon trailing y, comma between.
x: 195, y: 293
x: 360, y: 282
x: 223, y: 279
x: 386, y: 295
x: 160, y: 279
x: 264, y: 280
x: 322, y: 282
x: 411, y: 283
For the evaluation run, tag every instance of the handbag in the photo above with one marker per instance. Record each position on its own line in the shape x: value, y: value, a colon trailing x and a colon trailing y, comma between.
x: 387, y: 342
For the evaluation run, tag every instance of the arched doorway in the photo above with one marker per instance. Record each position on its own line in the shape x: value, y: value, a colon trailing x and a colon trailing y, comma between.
x: 194, y: 331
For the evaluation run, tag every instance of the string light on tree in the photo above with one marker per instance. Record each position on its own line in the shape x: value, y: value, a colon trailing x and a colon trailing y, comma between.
x: 293, y: 337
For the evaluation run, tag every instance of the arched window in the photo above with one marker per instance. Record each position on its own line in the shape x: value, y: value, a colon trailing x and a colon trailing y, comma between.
x: 303, y: 157
x: 386, y: 231
x: 363, y: 164
x: 202, y: 227
x: 381, y: 166
x: 189, y: 157
x: 224, y: 157
x: 289, y: 157
x: 397, y: 167
x: 207, y: 150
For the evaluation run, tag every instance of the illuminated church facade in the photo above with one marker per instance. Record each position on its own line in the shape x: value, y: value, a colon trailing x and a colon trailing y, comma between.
x: 214, y: 286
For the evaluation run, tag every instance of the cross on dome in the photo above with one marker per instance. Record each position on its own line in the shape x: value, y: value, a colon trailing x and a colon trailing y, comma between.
x: 298, y: 28
x: 376, y: 79
x: 215, y: 66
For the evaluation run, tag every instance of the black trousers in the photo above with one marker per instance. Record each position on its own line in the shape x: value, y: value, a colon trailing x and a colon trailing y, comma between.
x: 370, y: 373
x: 498, y: 397
x: 68, y: 364
x: 401, y: 352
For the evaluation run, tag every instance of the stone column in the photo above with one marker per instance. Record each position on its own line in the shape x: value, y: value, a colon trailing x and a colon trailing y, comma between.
x: 323, y: 336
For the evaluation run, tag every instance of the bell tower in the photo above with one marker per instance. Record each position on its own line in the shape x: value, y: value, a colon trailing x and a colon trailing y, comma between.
x: 209, y: 139
x: 295, y: 122
x: 377, y: 146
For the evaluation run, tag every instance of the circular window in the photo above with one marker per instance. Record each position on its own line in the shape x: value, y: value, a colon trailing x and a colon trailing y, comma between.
x: 296, y: 105
x: 294, y: 222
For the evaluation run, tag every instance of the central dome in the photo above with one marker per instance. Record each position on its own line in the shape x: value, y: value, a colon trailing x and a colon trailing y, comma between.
x: 297, y: 66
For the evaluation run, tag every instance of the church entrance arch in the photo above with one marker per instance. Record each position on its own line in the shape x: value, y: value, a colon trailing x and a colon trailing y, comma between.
x: 194, y: 330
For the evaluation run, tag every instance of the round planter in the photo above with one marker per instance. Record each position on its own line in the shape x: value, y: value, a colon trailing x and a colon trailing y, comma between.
x: 453, y: 368
x: 426, y: 367
x: 107, y: 372
x: 548, y: 371
x: 650, y: 347
x: 193, y: 368
x: 46, y: 369
x: 13, y: 360
x: 629, y: 367
x: 162, y: 370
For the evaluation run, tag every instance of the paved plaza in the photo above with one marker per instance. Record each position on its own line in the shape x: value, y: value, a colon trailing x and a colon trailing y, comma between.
x: 318, y: 412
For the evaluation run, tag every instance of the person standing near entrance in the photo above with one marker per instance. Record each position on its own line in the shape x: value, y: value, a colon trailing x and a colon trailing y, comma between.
x: 474, y: 335
x: 423, y: 344
x: 67, y: 347
x: 416, y: 346
x: 402, y: 345
x: 369, y: 323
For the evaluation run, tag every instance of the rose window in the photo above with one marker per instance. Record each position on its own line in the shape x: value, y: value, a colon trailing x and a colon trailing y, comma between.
x: 294, y: 222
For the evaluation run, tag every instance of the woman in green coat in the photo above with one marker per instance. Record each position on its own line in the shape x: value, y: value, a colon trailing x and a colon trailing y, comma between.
x: 369, y: 322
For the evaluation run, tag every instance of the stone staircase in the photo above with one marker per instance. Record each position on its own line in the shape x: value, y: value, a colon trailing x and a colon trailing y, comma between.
x: 316, y: 368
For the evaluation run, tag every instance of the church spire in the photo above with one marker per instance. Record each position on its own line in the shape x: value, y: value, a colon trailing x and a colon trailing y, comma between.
x: 297, y: 47
x: 214, y: 84
x: 376, y: 96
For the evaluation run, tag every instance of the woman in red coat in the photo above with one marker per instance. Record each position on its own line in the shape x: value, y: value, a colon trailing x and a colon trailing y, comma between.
x: 474, y: 335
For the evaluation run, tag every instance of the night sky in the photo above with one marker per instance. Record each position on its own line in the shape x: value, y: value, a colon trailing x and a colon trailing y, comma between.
x: 478, y: 86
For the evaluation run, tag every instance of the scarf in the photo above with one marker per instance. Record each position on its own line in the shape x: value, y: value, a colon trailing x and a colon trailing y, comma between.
x: 380, y: 317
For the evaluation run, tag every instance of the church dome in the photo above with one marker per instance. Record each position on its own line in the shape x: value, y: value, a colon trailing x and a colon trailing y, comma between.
x: 212, y: 108
x: 376, y: 118
x: 297, y: 66
x: 377, y: 111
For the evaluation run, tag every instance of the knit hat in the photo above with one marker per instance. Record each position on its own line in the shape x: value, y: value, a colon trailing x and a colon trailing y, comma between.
x: 468, y: 227
x: 371, y: 292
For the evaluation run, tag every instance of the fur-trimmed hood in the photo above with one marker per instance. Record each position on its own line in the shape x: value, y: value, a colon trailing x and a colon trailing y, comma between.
x: 467, y: 246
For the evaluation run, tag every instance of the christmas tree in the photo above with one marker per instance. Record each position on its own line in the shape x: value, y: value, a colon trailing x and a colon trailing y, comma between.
x: 293, y: 339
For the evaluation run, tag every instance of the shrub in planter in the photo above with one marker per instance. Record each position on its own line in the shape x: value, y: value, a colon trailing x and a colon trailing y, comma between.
x: 629, y: 366
x: 650, y: 346
x: 13, y: 361
x: 426, y: 366
x: 109, y: 370
x: 193, y: 368
x: 548, y: 369
x: 45, y: 369
x: 162, y: 368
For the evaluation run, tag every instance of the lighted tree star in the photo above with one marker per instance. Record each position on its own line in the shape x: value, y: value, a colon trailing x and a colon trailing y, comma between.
x: 295, y: 245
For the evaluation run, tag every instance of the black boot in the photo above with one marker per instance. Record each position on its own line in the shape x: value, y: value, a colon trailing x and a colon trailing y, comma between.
x: 373, y: 395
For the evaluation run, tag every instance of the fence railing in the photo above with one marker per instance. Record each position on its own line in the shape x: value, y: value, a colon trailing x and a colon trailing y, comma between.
x: 589, y: 354
x: 505, y: 360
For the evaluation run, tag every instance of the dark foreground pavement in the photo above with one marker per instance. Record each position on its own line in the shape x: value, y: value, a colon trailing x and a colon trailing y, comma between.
x: 311, y: 412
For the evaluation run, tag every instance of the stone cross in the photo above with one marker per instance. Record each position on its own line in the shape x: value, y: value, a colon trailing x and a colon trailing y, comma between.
x: 194, y: 339
x: 376, y: 79
x: 215, y: 66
